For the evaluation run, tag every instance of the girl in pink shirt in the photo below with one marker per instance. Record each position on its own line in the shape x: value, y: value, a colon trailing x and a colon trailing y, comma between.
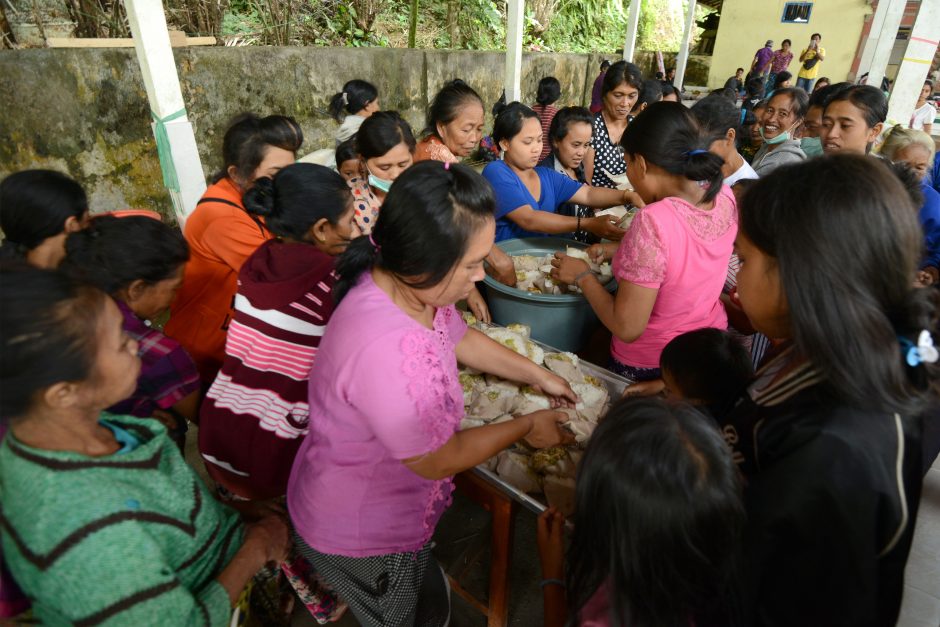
x: 671, y: 264
x: 373, y: 476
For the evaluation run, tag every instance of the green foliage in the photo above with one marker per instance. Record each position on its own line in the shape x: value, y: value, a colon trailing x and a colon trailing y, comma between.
x: 587, y: 26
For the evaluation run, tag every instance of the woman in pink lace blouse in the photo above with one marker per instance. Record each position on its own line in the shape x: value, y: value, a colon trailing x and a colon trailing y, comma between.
x: 373, y: 476
x: 672, y: 261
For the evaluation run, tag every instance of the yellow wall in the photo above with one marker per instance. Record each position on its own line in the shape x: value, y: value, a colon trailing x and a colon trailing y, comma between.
x: 746, y: 24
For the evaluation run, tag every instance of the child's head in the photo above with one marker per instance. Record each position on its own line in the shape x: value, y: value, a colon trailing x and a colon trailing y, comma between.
x: 853, y: 119
x: 706, y: 367
x: 570, y: 135
x: 308, y: 203
x: 666, y: 143
x: 62, y: 346
x: 137, y: 260
x: 386, y: 147
x: 518, y: 133
x: 720, y: 118
x: 347, y: 160
x: 755, y: 87
x: 671, y: 93
x: 548, y: 92
x: 651, y: 92
x: 832, y: 268
x: 658, y: 514
x: 783, y: 80
x: 38, y: 209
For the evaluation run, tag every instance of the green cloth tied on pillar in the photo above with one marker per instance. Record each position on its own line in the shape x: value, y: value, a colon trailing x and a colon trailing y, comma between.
x: 170, y: 181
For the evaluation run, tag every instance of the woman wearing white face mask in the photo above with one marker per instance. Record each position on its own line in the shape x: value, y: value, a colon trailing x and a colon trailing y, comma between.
x: 386, y: 148
x: 781, y: 118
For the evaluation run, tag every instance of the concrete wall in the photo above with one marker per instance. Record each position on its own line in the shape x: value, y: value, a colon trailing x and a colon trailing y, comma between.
x: 85, y: 111
x: 746, y: 24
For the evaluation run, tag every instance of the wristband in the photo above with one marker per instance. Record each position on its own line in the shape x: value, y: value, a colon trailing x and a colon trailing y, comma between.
x: 551, y: 582
x: 581, y: 276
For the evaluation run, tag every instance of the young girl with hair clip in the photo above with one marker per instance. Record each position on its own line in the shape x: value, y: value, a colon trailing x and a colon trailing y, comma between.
x: 352, y: 106
x: 38, y: 209
x: 672, y: 262
x: 102, y: 518
x: 528, y: 197
x: 139, y: 261
x: 828, y: 437
x: 657, y: 524
x: 373, y: 476
x: 221, y: 234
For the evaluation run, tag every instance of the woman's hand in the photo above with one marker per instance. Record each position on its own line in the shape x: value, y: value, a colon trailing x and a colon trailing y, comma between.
x: 630, y: 197
x: 270, y: 537
x: 556, y: 389
x: 599, y: 253
x: 546, y: 430
x: 550, y: 536
x: 604, y: 227
x: 477, y: 305
x: 645, y: 388
x: 565, y: 268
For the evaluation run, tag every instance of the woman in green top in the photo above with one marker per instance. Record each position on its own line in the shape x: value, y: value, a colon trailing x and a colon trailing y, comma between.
x: 101, y: 520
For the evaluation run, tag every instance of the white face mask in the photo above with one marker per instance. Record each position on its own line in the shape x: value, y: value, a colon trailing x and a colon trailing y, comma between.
x: 779, y: 139
x: 383, y: 185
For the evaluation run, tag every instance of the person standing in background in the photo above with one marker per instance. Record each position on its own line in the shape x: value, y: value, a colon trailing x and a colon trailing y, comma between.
x: 596, y: 95
x: 760, y: 66
x: 811, y: 57
x: 779, y: 63
x: 924, y: 112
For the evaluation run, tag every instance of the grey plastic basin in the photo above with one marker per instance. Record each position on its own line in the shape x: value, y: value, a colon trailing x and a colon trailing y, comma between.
x: 564, y: 321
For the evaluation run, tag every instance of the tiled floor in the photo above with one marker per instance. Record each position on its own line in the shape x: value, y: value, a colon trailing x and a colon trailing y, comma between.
x: 921, y: 606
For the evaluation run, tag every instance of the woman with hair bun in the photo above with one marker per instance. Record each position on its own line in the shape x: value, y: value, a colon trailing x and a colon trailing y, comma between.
x: 221, y: 234
x: 255, y: 415
x: 373, y: 477
x: 672, y: 262
x: 350, y: 107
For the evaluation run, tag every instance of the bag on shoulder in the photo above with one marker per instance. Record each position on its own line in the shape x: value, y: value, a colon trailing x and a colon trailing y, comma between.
x: 810, y: 63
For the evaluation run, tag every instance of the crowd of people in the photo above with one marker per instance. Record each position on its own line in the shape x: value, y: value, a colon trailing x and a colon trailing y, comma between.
x: 776, y: 306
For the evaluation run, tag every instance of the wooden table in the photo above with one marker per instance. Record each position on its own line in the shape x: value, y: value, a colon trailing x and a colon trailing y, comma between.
x: 503, y: 509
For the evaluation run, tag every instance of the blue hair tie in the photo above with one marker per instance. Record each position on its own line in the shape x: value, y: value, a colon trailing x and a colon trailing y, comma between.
x: 692, y: 153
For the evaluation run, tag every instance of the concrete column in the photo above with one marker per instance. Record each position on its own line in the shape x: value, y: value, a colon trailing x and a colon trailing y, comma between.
x: 915, y: 65
x: 683, y: 58
x: 633, y: 21
x: 515, y: 21
x: 155, y: 56
x: 874, y: 32
x: 894, y: 12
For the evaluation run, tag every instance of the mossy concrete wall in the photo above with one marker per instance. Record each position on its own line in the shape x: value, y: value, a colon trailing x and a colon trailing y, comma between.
x: 85, y: 111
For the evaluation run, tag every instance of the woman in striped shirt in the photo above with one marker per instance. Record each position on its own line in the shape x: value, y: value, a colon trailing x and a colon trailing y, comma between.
x: 255, y: 414
x: 548, y: 94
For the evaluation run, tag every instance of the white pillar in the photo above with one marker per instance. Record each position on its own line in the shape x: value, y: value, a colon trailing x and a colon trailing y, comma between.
x: 894, y: 12
x: 915, y: 65
x: 515, y: 21
x: 633, y: 21
x: 155, y: 56
x: 683, y: 58
x: 874, y: 32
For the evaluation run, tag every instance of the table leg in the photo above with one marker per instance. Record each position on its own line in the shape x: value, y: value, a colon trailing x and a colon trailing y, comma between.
x: 503, y: 511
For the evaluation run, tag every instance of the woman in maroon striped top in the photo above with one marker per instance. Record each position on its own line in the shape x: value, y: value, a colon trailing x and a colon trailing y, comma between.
x: 548, y: 93
x: 255, y: 414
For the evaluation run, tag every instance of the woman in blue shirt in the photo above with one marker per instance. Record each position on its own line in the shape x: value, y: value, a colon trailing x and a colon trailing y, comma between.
x: 527, y: 197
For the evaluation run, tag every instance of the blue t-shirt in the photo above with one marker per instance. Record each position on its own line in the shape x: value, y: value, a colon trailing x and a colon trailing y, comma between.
x: 511, y: 193
x: 930, y: 222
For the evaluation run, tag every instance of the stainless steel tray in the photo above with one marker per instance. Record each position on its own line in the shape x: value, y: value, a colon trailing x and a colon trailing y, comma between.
x: 615, y: 386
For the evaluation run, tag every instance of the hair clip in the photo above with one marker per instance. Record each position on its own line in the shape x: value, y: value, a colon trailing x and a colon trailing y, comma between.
x: 345, y: 98
x: 923, y: 352
x: 447, y: 165
x: 374, y: 245
x: 698, y: 151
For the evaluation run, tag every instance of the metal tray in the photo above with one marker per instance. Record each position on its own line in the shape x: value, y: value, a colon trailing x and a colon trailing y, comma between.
x: 615, y: 386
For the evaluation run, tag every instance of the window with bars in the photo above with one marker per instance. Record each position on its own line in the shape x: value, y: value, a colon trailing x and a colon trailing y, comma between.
x: 796, y: 12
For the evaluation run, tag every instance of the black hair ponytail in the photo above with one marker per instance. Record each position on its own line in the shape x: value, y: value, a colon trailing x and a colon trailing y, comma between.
x: 259, y: 200
x: 426, y: 222
x: 668, y: 135
x: 354, y: 97
x: 34, y: 206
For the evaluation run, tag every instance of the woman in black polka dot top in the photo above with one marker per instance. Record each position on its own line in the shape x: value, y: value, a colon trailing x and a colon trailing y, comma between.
x: 620, y: 91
